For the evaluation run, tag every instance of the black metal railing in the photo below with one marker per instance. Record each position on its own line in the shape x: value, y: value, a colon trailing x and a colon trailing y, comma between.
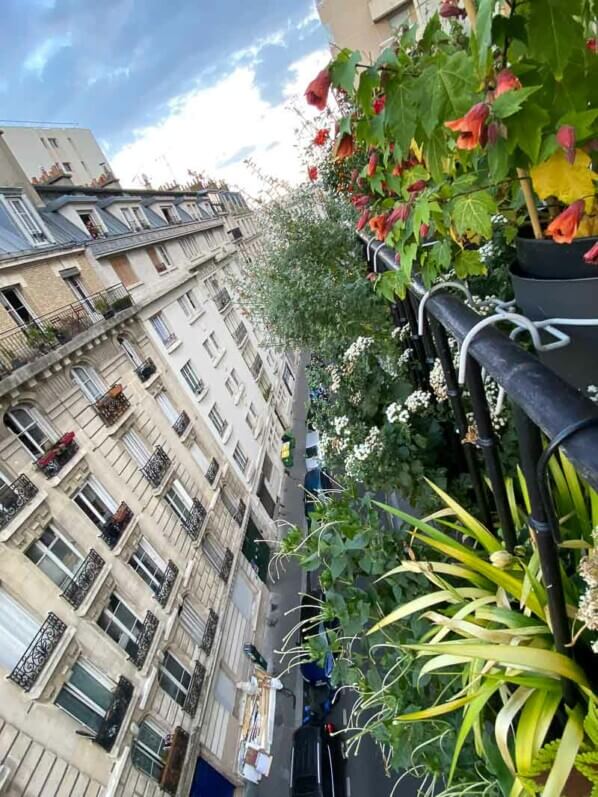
x: 543, y: 404
x: 194, y: 519
x: 168, y: 579
x: 207, y: 642
x: 57, y: 456
x: 115, y: 715
x: 181, y: 424
x: 145, y: 639
x: 256, y: 367
x: 28, y: 668
x: 112, y: 405
x: 112, y: 529
x: 227, y: 565
x: 222, y: 299
x: 146, y: 370
x: 175, y: 761
x: 80, y: 584
x: 240, y: 334
x: 28, y: 342
x: 240, y: 513
x: 156, y: 467
x: 195, y: 687
x: 212, y: 471
x: 14, y: 496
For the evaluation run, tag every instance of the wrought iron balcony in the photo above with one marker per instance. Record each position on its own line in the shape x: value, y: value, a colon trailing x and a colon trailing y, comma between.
x: 25, y: 344
x: 79, y: 585
x: 156, y: 467
x: 13, y: 497
x: 227, y: 565
x: 222, y: 299
x: 58, y: 455
x: 256, y: 366
x: 27, y: 670
x: 240, y: 513
x: 112, y: 405
x: 146, y: 370
x: 195, y: 687
x: 240, y: 334
x: 115, y: 715
x: 209, y: 634
x: 144, y: 640
x: 181, y: 423
x: 194, y: 519
x: 175, y: 761
x: 212, y: 471
x: 113, y: 527
x: 168, y: 579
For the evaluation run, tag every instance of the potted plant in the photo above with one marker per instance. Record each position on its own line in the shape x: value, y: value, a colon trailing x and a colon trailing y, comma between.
x: 102, y: 306
x: 122, y: 303
x: 476, y: 121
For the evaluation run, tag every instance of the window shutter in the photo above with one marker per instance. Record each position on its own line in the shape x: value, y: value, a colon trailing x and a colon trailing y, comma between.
x: 124, y: 270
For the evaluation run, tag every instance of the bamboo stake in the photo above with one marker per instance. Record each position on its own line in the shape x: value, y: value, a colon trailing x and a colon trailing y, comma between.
x: 530, y: 203
x: 472, y: 14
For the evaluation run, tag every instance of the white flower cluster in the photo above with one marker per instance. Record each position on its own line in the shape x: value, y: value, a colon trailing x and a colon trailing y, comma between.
x: 356, y: 398
x: 396, y: 413
x: 499, y: 418
x: 370, y: 445
x: 588, y: 604
x: 400, y: 413
x: 593, y: 393
x: 404, y: 358
x: 396, y: 332
x: 489, y: 251
x: 499, y: 220
x: 335, y: 378
x: 405, y: 333
x: 388, y: 366
x: 355, y: 350
x: 340, y: 424
x: 437, y: 382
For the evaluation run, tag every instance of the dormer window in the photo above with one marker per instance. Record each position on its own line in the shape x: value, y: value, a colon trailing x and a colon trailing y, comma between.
x: 91, y: 223
x: 134, y: 219
x: 27, y: 222
x: 141, y: 219
x: 170, y: 214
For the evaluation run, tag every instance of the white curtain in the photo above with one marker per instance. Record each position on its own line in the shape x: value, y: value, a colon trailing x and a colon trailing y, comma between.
x: 136, y: 447
x: 167, y: 407
x: 17, y: 629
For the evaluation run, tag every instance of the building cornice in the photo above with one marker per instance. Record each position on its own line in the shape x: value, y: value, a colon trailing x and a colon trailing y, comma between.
x: 125, y: 241
x: 35, y: 255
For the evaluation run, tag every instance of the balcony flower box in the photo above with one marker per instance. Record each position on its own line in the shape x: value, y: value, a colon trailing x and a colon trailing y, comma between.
x: 58, y: 455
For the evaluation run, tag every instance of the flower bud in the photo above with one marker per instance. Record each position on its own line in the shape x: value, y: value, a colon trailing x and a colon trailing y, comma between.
x: 503, y: 560
x: 565, y: 137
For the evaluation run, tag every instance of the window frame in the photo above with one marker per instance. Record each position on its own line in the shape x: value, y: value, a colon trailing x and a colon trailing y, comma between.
x: 92, y: 377
x: 37, y: 420
x: 135, y: 444
x: 240, y: 457
x: 178, y: 499
x: 192, y: 380
x: 164, y: 672
x: 12, y: 310
x: 150, y: 553
x: 148, y: 752
x: 162, y: 329
x: 80, y: 696
x: 115, y: 622
x: 48, y: 553
x: 26, y: 221
x: 102, y: 494
x: 218, y: 422
x: 189, y: 303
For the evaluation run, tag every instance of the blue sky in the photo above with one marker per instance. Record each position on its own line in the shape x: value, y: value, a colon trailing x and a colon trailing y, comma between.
x: 125, y: 68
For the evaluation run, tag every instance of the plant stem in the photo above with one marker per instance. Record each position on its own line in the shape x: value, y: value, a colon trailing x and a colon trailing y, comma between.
x: 472, y: 14
x: 530, y: 203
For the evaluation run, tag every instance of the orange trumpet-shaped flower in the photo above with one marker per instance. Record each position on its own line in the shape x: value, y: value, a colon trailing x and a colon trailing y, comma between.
x: 378, y: 226
x: 506, y: 81
x: 317, y: 92
x: 564, y: 227
x: 363, y: 220
x: 471, y: 127
x: 372, y: 164
x: 345, y: 147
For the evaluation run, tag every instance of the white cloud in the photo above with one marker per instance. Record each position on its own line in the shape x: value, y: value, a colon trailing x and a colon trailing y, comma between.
x: 206, y: 129
x: 37, y: 60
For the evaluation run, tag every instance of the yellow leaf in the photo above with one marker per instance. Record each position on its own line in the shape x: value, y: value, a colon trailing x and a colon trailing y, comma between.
x: 567, y: 182
x: 416, y: 149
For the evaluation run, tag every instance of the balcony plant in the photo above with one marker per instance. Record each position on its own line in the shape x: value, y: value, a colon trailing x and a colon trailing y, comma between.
x: 488, y: 118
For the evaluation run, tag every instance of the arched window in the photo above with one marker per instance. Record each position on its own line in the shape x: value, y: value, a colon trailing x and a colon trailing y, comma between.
x: 131, y: 351
x: 89, y: 381
x: 31, y: 429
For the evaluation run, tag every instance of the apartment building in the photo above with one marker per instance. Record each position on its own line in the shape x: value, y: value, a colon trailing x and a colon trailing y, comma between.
x: 141, y: 420
x: 369, y: 25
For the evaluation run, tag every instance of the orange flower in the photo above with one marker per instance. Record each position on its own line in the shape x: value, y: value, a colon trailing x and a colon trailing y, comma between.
x: 321, y: 137
x: 317, y: 92
x: 506, y: 81
x: 472, y: 126
x: 372, y: 164
x: 345, y: 147
x: 562, y: 230
x: 312, y: 173
x: 378, y: 226
x: 363, y: 219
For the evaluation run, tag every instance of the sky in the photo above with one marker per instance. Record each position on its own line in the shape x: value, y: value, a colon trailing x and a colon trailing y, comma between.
x: 168, y: 86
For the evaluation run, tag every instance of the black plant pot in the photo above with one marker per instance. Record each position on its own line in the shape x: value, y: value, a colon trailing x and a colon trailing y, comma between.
x: 552, y: 281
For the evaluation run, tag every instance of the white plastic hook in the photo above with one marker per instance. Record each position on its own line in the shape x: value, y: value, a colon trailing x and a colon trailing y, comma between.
x: 439, y: 286
x: 380, y: 245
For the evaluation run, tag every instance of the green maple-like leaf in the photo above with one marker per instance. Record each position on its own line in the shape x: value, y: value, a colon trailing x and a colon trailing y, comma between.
x: 472, y: 213
x: 446, y: 89
x: 343, y: 68
x: 468, y: 264
x: 554, y: 33
x: 511, y: 101
x: 525, y: 130
x: 400, y: 112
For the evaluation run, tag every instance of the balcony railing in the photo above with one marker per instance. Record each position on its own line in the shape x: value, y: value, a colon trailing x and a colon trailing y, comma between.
x: 209, y: 634
x: 115, y: 715
x: 146, y: 370
x: 27, y: 670
x: 194, y: 519
x: 240, y: 513
x: 227, y: 565
x: 175, y: 761
x: 222, y: 299
x: 31, y: 341
x: 156, y: 467
x: 181, y: 423
x: 112, y: 405
x: 256, y: 367
x: 113, y: 528
x: 14, y: 496
x: 80, y: 584
x: 240, y: 334
x: 168, y: 579
x: 58, y: 455
x: 212, y: 471
x: 195, y: 688
x: 145, y: 639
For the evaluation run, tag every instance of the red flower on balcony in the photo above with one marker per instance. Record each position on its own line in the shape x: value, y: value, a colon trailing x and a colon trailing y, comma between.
x: 506, y: 81
x: 471, y: 127
x: 67, y: 438
x: 591, y: 256
x: 321, y: 137
x: 562, y: 230
x: 316, y: 93
x: 379, y: 104
x: 48, y: 457
x: 345, y: 147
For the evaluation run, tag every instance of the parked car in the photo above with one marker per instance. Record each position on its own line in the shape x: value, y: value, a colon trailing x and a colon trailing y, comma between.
x: 312, y: 450
x: 313, y: 672
x: 317, y: 764
x: 316, y: 481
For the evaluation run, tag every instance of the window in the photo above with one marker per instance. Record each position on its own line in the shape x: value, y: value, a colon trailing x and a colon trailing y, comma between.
x: 121, y: 624
x: 225, y: 691
x: 230, y: 502
x: 82, y: 295
x: 90, y: 222
x: 240, y: 458
x: 218, y: 421
x: 210, y: 238
x: 174, y: 678
x: 27, y: 424
x: 167, y: 407
x: 131, y: 351
x: 232, y: 383
x: 191, y: 378
x: 199, y: 457
x: 179, y: 500
x: 55, y: 555
x: 95, y: 501
x: 86, y: 696
x: 53, y: 142
x: 128, y: 217
x: 169, y: 214
x: 189, y: 247
x: 214, y: 551
x: 67, y: 167
x: 162, y: 329
x: 159, y: 264
x: 89, y: 382
x: 251, y: 417
x: 212, y: 346
x: 149, y: 750
x: 17, y: 629
x: 163, y: 252
x: 140, y: 218
x: 14, y: 304
x: 148, y: 565
x: 28, y: 221
x: 267, y: 468
x: 189, y: 304
x: 124, y: 270
x: 136, y: 446
x: 192, y: 622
